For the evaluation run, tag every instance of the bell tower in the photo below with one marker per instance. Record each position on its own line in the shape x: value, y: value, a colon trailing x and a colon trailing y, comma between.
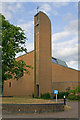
x: 42, y: 54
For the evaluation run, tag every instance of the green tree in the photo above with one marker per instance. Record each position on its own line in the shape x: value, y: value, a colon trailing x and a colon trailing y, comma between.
x: 13, y: 40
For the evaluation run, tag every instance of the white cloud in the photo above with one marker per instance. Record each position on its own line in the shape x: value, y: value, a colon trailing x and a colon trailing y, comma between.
x: 7, y: 15
x: 67, y: 46
x: 59, y: 4
x: 70, y: 30
x: 46, y: 7
x: 9, y: 8
x: 55, y: 12
x: 72, y: 27
x: 19, y: 54
x: 74, y: 64
x: 13, y: 7
x: 20, y: 21
x: 60, y: 36
x: 5, y: 12
x: 0, y: 7
x: 68, y: 42
x: 69, y: 16
x: 18, y: 5
x: 29, y: 46
x: 65, y: 52
x: 28, y: 28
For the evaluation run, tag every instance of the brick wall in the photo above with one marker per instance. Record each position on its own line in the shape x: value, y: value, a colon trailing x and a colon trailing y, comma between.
x: 32, y: 108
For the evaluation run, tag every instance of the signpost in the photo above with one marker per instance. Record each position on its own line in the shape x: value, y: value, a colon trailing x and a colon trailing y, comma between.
x: 56, y: 92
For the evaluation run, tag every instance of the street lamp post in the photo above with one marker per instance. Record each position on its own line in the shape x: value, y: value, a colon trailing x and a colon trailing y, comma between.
x: 64, y: 100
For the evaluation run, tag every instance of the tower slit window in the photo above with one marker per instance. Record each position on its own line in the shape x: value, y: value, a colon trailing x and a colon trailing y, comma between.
x: 37, y: 29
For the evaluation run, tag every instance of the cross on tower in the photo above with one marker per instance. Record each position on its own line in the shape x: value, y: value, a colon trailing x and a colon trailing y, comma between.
x: 37, y: 8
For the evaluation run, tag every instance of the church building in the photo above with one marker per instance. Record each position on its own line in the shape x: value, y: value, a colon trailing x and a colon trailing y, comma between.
x: 48, y: 73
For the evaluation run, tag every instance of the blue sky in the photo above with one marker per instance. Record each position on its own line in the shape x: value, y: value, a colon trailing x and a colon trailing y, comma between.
x: 64, y: 23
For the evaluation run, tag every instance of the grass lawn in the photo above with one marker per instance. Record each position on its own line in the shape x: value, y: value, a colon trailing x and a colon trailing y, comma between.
x: 24, y: 100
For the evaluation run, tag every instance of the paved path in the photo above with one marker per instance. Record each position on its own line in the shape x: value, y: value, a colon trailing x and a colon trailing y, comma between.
x: 73, y: 113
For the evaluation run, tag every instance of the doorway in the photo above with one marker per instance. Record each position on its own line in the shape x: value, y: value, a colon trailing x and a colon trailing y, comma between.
x: 38, y: 90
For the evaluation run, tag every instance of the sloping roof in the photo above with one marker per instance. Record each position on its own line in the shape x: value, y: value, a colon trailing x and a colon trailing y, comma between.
x: 54, y: 60
x: 58, y: 61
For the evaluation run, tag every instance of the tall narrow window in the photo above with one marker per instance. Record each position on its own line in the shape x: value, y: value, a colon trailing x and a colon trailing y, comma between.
x: 9, y: 84
x: 37, y: 90
x: 37, y: 21
x: 37, y: 29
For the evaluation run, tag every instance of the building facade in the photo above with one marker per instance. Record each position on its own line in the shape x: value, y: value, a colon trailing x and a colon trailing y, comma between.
x: 39, y: 80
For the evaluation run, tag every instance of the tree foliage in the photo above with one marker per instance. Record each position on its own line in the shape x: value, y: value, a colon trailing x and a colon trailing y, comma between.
x: 13, y: 40
x: 74, y: 94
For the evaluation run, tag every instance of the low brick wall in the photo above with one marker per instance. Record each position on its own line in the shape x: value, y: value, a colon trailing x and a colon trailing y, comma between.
x: 32, y: 108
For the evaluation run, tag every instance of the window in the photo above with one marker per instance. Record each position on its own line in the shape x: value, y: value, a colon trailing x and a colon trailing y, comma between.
x: 37, y: 29
x: 9, y: 84
x: 37, y: 21
x: 37, y: 90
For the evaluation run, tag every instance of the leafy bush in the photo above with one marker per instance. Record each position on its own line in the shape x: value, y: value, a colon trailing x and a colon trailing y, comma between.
x: 45, y: 96
x: 75, y: 90
x: 78, y: 97
x: 61, y: 95
x: 32, y: 95
x: 72, y: 91
x: 68, y: 88
x: 35, y: 97
x: 74, y: 94
x: 72, y: 97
